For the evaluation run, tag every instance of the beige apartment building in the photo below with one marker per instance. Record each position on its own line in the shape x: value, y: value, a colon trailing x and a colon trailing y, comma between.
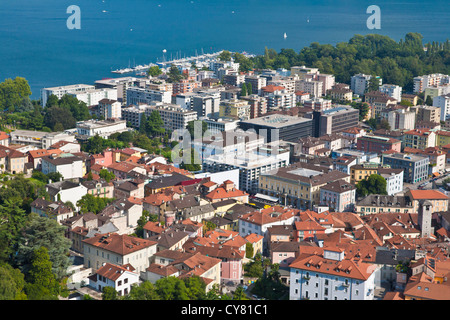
x: 118, y: 249
x: 298, y: 185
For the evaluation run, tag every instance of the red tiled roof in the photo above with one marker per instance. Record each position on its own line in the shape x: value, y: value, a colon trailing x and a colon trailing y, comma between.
x: 428, y: 194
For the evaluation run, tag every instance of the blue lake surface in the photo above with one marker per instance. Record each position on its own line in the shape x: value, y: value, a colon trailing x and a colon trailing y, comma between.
x: 37, y: 45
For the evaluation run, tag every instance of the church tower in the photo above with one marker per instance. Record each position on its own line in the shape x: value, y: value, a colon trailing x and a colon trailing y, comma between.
x: 424, y: 218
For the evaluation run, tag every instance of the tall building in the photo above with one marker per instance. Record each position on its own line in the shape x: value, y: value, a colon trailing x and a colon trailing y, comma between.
x: 60, y: 91
x: 333, y: 120
x: 137, y: 95
x: 443, y: 103
x: 415, y: 166
x: 360, y: 83
x: 424, y: 219
x: 428, y: 113
x: 235, y: 108
x: 250, y: 166
x: 392, y: 90
x: 258, y: 105
x: 121, y: 85
x: 93, y: 97
x: 206, y: 104
x: 423, y: 82
x: 279, y: 127
x: 257, y: 82
x: 109, y: 109
x: 173, y: 116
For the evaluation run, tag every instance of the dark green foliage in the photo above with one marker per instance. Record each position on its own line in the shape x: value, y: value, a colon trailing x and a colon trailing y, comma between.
x: 12, y: 94
x: 107, y: 175
x: 154, y: 71
x: 43, y: 232
x: 174, y: 75
x: 375, y: 184
x: 109, y: 293
x: 91, y: 203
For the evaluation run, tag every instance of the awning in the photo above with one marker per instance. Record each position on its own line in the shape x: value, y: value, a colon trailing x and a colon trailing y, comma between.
x: 265, y: 197
x: 436, y: 174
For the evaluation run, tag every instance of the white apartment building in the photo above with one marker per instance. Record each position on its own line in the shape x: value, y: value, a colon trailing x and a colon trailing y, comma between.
x: 394, y: 179
x: 137, y: 95
x: 280, y: 100
x: 206, y: 103
x: 173, y: 116
x: 392, y: 90
x: 443, y: 102
x: 401, y: 119
x: 219, y: 125
x: 118, y: 249
x: 250, y: 166
x: 60, y: 91
x: 120, y: 278
x: 185, y: 100
x: 331, y: 277
x: 38, y: 139
x: 289, y: 83
x: 70, y: 167
x: 238, y: 143
x: 423, y: 82
x: 103, y: 128
x: 302, y: 71
x: 360, y: 82
x: 313, y: 87
x: 92, y: 97
x: 109, y: 109
x: 121, y: 85
x: 318, y: 104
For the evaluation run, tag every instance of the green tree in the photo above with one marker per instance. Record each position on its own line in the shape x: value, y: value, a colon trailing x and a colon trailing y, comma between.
x: 55, y: 115
x: 144, y: 291
x: 174, y: 75
x: 239, y: 294
x: 225, y: 55
x: 12, y: 283
x: 374, y: 184
x: 196, y: 288
x: 91, y: 203
x: 154, y: 71
x: 12, y: 220
x: 244, y: 90
x: 107, y: 175
x: 12, y: 93
x: 249, y: 250
x: 171, y: 288
x: 43, y: 232
x: 41, y: 282
x: 109, y: 293
x: 55, y: 176
x: 155, y: 125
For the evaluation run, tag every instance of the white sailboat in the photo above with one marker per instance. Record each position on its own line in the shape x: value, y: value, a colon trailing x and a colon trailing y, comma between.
x: 285, y: 35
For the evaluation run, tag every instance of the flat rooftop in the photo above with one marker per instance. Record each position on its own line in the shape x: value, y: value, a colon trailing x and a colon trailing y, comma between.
x: 71, y: 87
x: 276, y: 120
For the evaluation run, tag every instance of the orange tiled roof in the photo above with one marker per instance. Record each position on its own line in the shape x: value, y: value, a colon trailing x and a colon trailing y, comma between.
x: 428, y: 195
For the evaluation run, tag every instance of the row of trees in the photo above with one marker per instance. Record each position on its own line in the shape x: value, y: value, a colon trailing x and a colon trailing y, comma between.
x: 173, y: 288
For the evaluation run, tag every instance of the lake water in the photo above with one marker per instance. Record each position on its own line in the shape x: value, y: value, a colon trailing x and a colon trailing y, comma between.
x: 37, y: 45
